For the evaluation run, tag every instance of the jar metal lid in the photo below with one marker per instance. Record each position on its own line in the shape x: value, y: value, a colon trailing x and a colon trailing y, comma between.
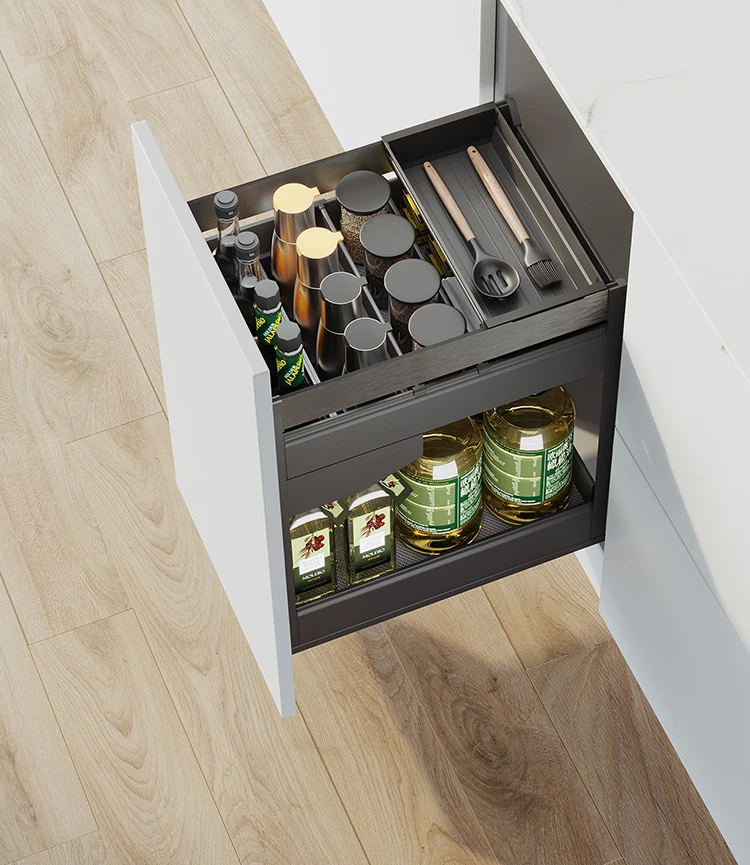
x: 412, y: 281
x: 435, y: 323
x: 387, y: 235
x: 365, y: 334
x: 363, y: 192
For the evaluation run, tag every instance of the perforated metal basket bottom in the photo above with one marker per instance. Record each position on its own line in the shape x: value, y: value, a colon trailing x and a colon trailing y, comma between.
x: 406, y: 557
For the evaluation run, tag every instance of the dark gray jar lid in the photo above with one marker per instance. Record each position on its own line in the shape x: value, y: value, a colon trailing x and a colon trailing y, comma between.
x: 247, y: 245
x: 387, y: 235
x: 363, y: 192
x: 288, y: 337
x: 247, y: 288
x: 342, y: 287
x: 435, y: 323
x: 226, y: 204
x: 365, y: 334
x: 412, y: 281
x: 267, y: 296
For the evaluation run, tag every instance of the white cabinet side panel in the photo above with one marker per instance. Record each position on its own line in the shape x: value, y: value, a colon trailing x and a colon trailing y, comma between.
x: 684, y: 652
x: 220, y: 417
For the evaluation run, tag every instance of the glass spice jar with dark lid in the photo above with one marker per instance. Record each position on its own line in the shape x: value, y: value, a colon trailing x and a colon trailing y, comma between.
x: 386, y: 239
x: 410, y: 284
x: 362, y: 195
x: 435, y: 323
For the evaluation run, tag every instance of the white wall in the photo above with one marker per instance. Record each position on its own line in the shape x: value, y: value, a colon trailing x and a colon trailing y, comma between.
x: 377, y: 66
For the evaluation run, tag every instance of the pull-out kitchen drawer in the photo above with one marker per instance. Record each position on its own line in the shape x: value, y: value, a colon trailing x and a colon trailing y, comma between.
x: 246, y: 461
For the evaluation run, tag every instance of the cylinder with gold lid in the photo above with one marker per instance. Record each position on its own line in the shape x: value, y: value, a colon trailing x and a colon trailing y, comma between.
x: 294, y: 212
x: 317, y: 257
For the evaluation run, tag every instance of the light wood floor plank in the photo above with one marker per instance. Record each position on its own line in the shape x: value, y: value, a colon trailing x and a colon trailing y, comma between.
x: 52, y: 555
x: 634, y: 775
x: 129, y: 284
x: 60, y: 306
x: 82, y: 119
x: 508, y: 757
x: 263, y: 83
x: 144, y: 784
x: 200, y: 136
x: 265, y: 773
x: 88, y: 850
x: 41, y: 799
x: 400, y: 792
x: 548, y: 611
x: 148, y: 46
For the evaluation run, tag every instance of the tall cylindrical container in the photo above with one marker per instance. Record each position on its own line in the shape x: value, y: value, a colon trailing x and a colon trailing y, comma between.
x: 317, y: 256
x: 294, y: 212
x: 341, y: 303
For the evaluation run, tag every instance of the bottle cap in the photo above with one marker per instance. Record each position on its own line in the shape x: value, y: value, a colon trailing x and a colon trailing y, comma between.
x: 294, y: 210
x: 247, y: 246
x: 288, y: 337
x: 363, y: 192
x: 247, y: 288
x: 267, y: 295
x: 435, y: 323
x: 412, y: 281
x: 226, y: 204
x: 387, y: 235
x: 228, y: 244
x: 317, y: 255
x: 365, y: 343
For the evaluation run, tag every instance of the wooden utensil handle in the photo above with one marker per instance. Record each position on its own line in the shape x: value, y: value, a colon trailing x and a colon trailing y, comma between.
x: 449, y: 202
x: 497, y: 193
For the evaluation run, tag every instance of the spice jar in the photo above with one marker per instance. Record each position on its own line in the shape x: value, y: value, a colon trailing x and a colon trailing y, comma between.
x: 362, y: 195
x: 294, y: 212
x: 435, y: 323
x: 444, y: 508
x: 317, y: 256
x: 386, y: 239
x: 410, y: 284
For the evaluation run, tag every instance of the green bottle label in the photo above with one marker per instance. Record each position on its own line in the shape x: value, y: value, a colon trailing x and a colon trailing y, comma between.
x: 372, y: 537
x: 311, y: 560
x: 266, y: 324
x: 526, y: 477
x: 396, y: 487
x: 291, y: 370
x: 442, y: 506
x: 336, y: 512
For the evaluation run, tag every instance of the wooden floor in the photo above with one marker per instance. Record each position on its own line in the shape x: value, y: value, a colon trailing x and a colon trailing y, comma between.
x: 501, y: 726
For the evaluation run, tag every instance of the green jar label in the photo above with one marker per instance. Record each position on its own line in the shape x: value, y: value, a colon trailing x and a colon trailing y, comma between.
x: 526, y: 477
x: 266, y: 324
x: 311, y: 560
x: 291, y: 370
x: 372, y: 537
x: 442, y: 506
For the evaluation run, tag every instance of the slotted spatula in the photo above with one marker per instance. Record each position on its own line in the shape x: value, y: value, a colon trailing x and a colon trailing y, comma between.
x: 538, y: 265
x: 492, y: 276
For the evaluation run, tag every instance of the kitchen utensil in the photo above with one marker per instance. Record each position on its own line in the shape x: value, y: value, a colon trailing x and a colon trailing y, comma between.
x: 341, y: 296
x: 294, y: 211
x: 365, y: 343
x: 492, y: 276
x: 538, y: 265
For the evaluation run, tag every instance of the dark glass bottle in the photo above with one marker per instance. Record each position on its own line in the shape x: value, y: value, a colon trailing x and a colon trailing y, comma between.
x: 227, y: 210
x: 268, y: 317
x: 225, y: 258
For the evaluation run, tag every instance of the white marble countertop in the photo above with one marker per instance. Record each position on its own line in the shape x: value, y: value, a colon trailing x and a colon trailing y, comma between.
x: 662, y: 90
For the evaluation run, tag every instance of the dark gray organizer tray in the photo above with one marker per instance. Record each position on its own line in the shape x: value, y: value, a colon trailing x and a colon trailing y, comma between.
x: 338, y: 437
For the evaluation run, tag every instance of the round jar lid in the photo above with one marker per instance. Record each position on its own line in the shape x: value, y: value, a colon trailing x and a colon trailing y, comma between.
x: 387, y: 235
x: 226, y: 204
x: 363, y: 192
x: 435, y: 323
x: 412, y: 281
x: 318, y: 242
x: 365, y: 334
x: 341, y: 287
x: 294, y: 197
x: 288, y: 337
